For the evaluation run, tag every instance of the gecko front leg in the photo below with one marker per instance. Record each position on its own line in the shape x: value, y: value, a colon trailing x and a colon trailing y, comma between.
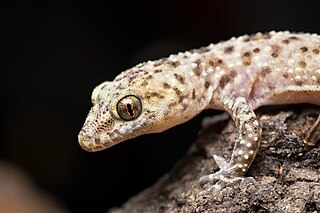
x: 246, y: 146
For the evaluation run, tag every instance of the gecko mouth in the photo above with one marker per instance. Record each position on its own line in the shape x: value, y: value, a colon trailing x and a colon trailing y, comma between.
x: 93, y: 143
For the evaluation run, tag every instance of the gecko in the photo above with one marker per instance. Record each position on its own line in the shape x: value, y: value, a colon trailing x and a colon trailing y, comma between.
x: 237, y: 76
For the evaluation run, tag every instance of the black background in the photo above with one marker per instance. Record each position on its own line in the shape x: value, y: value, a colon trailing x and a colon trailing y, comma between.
x: 54, y: 53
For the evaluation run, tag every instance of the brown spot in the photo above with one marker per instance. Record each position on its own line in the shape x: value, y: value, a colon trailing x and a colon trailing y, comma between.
x: 285, y: 75
x: 228, y: 50
x: 265, y: 71
x: 181, y: 98
x: 132, y: 82
x: 153, y: 94
x: 302, y: 64
x: 151, y: 116
x: 172, y: 104
x: 256, y: 50
x: 207, y: 84
x: 160, y: 96
x: 184, y: 107
x: 174, y: 63
x: 117, y: 79
x: 166, y: 85
x: 298, y: 83
x: 224, y: 80
x: 177, y: 91
x: 144, y: 83
x: 246, y: 54
x: 147, y: 96
x: 136, y: 72
x: 274, y: 55
x: 120, y: 86
x: 132, y: 78
x: 227, y: 78
x: 114, y: 133
x: 104, y: 86
x: 316, y: 51
x: 304, y: 49
x: 232, y: 74
x: 193, y: 94
x: 166, y: 113
x: 293, y: 38
x: 180, y: 78
x: 197, y: 70
x: 246, y: 58
x: 219, y: 61
x: 285, y: 41
x: 149, y: 77
x: 211, y: 63
x: 247, y: 62
x: 157, y: 71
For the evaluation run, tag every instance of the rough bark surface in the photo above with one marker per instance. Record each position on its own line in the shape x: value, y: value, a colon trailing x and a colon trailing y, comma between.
x: 286, y: 174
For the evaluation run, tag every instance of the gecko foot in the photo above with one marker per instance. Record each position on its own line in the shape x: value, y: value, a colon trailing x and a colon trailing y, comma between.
x: 225, y: 177
x: 225, y: 173
x: 227, y: 186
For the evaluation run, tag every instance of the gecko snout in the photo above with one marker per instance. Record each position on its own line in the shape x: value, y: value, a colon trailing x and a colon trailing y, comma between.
x: 88, y: 140
x: 92, y: 141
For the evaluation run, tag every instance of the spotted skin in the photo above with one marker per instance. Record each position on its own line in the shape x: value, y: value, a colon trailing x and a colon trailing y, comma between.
x: 238, y: 76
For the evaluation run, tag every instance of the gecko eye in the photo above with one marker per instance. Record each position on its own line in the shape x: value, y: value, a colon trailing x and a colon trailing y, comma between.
x: 129, y: 107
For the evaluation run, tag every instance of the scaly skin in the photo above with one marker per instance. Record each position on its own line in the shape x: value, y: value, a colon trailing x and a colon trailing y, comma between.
x: 238, y: 76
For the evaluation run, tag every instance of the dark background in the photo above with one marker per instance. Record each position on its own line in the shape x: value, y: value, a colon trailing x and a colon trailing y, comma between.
x: 54, y: 53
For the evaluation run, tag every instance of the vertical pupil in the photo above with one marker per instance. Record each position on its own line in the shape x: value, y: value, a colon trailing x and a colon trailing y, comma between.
x: 130, y: 110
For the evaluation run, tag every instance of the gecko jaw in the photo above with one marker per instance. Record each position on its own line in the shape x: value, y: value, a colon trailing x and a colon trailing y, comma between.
x: 93, y: 142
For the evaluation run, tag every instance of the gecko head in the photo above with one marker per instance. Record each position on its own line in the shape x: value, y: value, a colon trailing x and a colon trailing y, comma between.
x: 111, y: 121
x: 123, y: 109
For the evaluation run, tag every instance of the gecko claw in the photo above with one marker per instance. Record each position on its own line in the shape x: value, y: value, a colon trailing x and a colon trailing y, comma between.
x: 223, y: 165
x: 223, y: 175
x: 220, y: 179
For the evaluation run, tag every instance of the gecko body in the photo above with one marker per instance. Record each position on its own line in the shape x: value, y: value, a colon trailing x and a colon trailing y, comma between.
x: 237, y: 76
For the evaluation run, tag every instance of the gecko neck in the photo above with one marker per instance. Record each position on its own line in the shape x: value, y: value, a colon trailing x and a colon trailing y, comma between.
x: 195, y: 79
x: 207, y: 72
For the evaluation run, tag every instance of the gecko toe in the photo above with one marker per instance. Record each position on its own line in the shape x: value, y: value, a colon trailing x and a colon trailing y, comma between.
x: 209, y: 178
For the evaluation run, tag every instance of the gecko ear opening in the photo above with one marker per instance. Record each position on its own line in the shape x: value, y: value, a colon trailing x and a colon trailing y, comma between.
x: 96, y: 94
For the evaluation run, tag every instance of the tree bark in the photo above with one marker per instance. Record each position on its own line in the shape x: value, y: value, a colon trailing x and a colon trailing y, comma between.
x: 286, y: 174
